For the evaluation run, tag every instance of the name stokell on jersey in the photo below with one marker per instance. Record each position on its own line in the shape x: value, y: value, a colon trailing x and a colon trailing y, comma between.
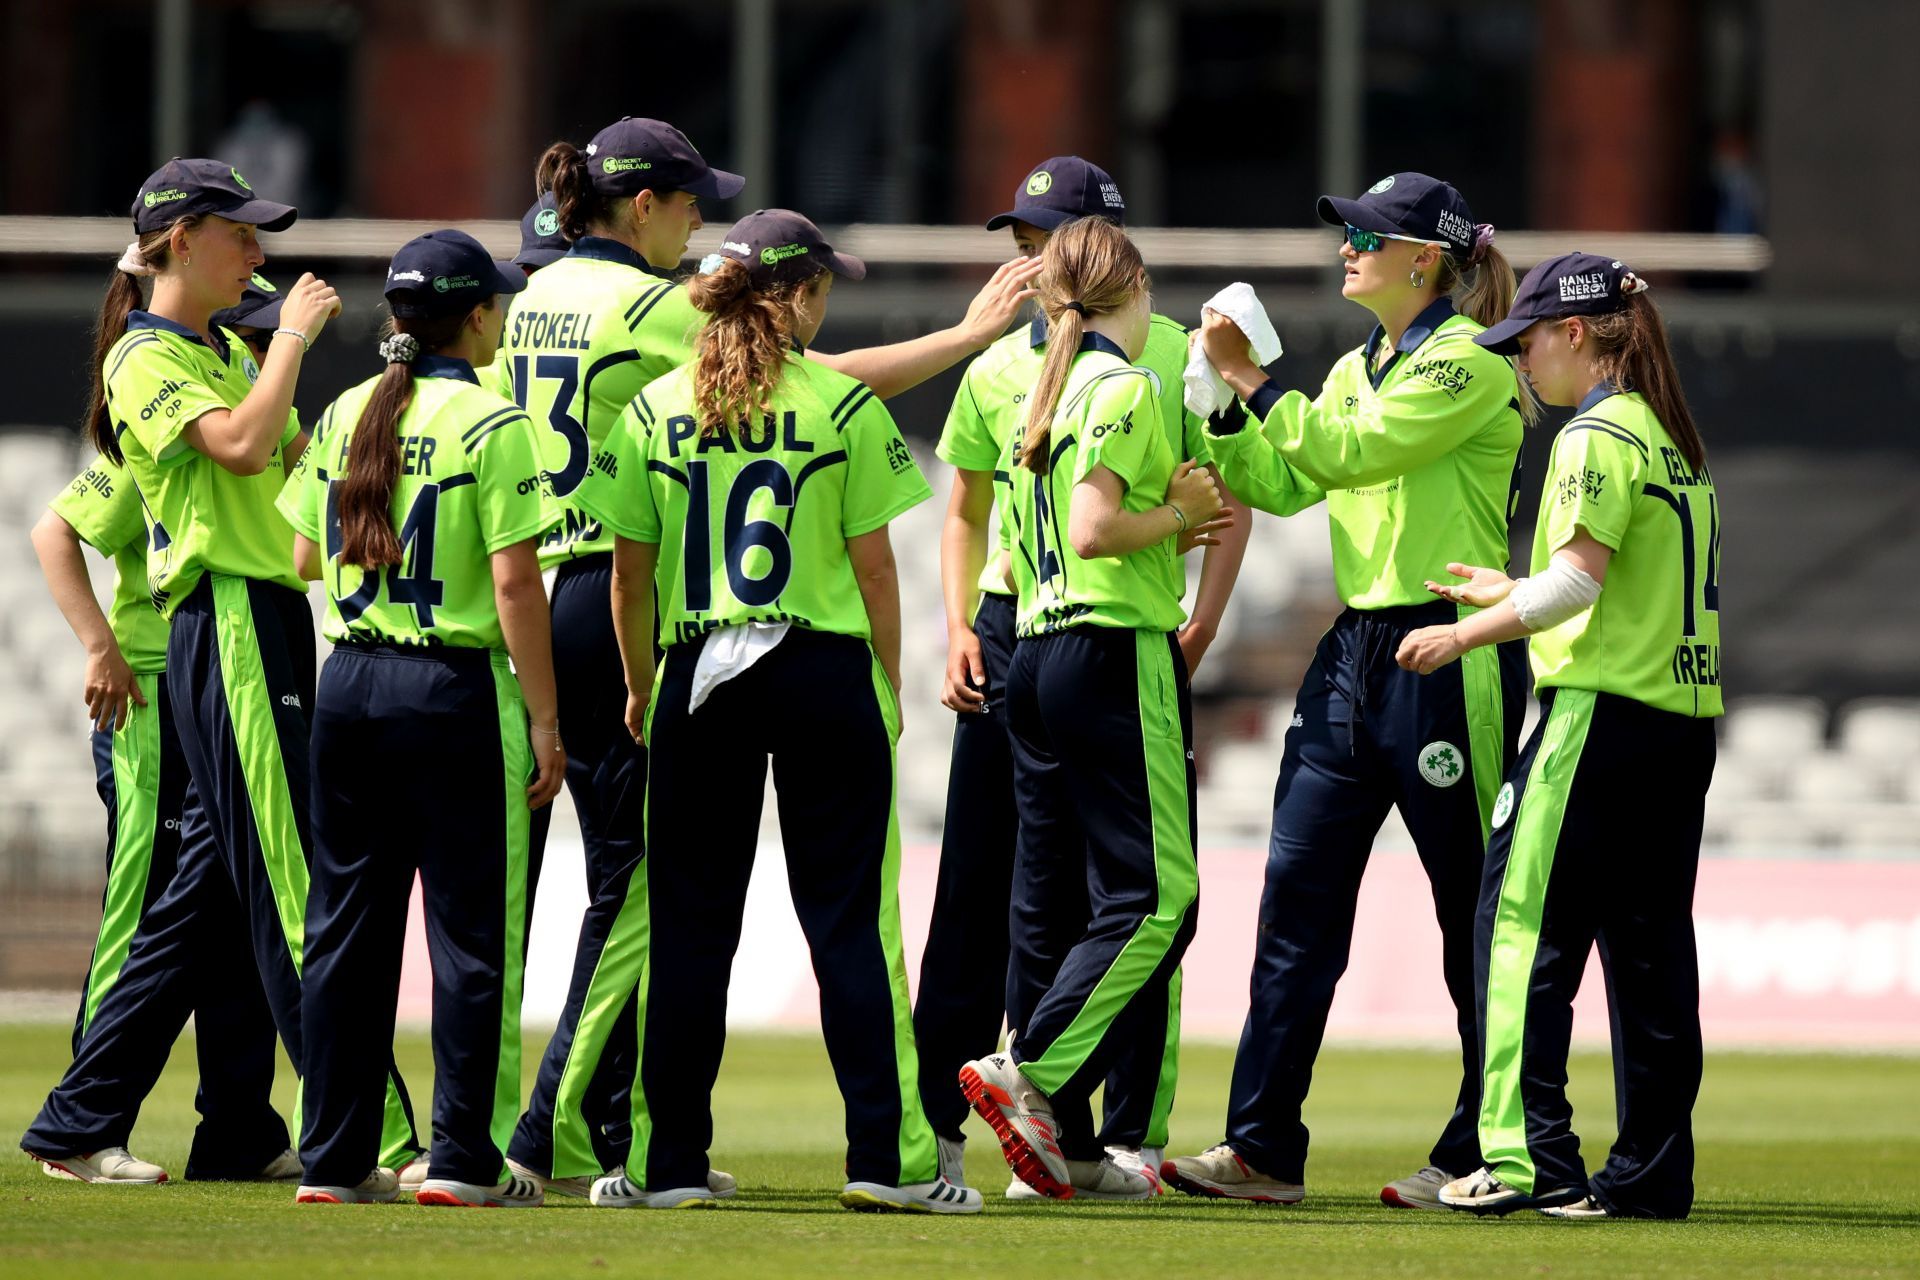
x: 753, y: 522
x: 1654, y: 634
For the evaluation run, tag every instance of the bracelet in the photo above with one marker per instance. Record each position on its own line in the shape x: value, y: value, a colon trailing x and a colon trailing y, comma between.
x: 1178, y: 514
x: 305, y: 345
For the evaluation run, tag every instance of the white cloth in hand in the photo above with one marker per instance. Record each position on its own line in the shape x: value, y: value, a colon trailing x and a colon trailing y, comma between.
x: 1206, y: 391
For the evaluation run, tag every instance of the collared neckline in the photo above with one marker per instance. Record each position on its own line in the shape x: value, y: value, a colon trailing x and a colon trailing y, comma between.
x: 1437, y: 313
x: 1602, y: 389
x: 605, y: 249
x: 445, y: 367
x: 148, y: 320
x: 1101, y: 342
x: 1037, y: 332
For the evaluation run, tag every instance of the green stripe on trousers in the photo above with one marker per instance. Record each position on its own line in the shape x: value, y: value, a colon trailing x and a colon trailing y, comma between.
x: 1486, y: 725
x: 1539, y: 811
x: 1176, y: 875
x: 136, y: 822
x: 516, y: 757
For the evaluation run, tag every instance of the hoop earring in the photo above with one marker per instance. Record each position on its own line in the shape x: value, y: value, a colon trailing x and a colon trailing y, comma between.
x: 186, y: 262
x: 1418, y: 278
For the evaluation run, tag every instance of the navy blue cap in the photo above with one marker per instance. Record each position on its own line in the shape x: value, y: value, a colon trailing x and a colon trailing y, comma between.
x: 1408, y: 204
x: 446, y: 272
x: 780, y: 245
x: 633, y: 155
x: 1061, y: 189
x: 258, y: 308
x: 540, y: 239
x: 1573, y: 284
x: 181, y: 187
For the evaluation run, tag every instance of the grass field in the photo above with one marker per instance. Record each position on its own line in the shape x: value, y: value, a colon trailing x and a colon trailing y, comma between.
x: 1808, y: 1167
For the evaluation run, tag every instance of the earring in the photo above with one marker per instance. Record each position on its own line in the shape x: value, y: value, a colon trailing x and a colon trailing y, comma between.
x: 1418, y: 278
x: 186, y: 262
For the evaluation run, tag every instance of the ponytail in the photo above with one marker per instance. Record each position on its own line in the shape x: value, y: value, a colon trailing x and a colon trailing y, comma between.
x: 1483, y: 289
x: 145, y: 255
x: 1091, y: 268
x: 365, y: 508
x: 742, y: 349
x: 563, y: 171
x: 1635, y: 355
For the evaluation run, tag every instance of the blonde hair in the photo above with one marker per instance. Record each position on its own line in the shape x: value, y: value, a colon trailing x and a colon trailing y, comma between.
x: 1482, y: 288
x: 1634, y: 355
x: 740, y: 353
x: 1090, y: 268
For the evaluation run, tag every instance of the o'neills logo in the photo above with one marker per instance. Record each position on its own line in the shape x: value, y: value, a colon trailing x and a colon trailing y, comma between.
x: 1583, y: 288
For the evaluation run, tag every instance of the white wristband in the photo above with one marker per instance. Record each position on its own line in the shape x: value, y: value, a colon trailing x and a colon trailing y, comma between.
x: 1548, y: 599
x: 306, y: 345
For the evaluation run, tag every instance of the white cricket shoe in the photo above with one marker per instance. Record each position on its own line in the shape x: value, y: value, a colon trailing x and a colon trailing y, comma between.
x: 382, y: 1186
x: 617, y: 1191
x: 1022, y: 1118
x: 515, y: 1193
x: 953, y: 1159
x: 938, y: 1196
x: 579, y: 1188
x: 416, y: 1171
x: 1582, y: 1209
x: 1144, y: 1161
x: 721, y: 1184
x: 284, y: 1167
x: 110, y: 1166
x: 1482, y: 1192
x: 1417, y: 1190
x: 1221, y: 1173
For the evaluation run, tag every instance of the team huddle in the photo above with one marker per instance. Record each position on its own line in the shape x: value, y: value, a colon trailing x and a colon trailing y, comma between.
x: 709, y: 497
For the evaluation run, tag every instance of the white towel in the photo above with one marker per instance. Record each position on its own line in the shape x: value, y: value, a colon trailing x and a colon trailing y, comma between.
x: 730, y: 651
x: 1206, y: 391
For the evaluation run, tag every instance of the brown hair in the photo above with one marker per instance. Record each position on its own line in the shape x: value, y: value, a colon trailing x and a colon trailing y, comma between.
x: 1635, y: 356
x: 1483, y: 289
x: 741, y: 351
x: 123, y: 298
x: 1091, y: 262
x: 373, y: 455
x: 563, y: 171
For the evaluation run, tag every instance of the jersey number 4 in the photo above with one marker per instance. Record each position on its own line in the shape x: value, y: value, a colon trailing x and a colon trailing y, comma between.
x: 1702, y: 593
x: 411, y: 582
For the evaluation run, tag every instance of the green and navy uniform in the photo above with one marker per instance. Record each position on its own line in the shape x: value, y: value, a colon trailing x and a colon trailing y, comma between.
x: 586, y: 334
x: 1597, y: 831
x: 960, y: 1003
x: 1415, y: 452
x: 752, y: 525
x: 240, y: 677
x: 142, y: 779
x: 1100, y: 718
x: 418, y: 700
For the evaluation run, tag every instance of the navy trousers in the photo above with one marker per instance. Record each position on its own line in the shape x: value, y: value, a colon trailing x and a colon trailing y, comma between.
x: 1366, y: 737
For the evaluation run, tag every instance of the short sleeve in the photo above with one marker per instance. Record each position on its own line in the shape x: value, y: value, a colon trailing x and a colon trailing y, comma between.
x: 1118, y: 427
x: 103, y: 507
x: 966, y: 441
x: 617, y: 490
x: 506, y: 471
x: 883, y: 480
x: 156, y: 394
x: 1598, y: 471
x: 303, y: 498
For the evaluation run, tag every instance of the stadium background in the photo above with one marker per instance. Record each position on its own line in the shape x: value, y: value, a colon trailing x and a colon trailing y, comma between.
x: 1740, y: 152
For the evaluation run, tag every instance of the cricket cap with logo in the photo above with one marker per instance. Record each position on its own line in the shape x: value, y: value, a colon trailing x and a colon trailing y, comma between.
x: 632, y: 155
x: 1573, y: 284
x: 1409, y: 204
x: 1061, y: 189
x: 541, y: 243
x: 445, y: 273
x: 258, y: 308
x: 779, y: 245
x: 180, y: 187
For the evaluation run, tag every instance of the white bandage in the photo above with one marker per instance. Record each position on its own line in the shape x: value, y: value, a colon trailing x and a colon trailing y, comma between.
x: 1548, y: 599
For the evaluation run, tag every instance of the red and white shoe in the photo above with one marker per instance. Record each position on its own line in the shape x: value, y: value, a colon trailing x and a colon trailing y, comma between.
x: 1022, y: 1118
x: 1221, y: 1173
x: 109, y: 1166
x: 382, y: 1186
x: 515, y: 1193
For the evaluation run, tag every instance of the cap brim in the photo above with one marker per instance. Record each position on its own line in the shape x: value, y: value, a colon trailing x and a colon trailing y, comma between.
x: 1339, y: 212
x: 845, y: 264
x: 508, y: 277
x: 264, y: 214
x: 1504, y: 338
x: 537, y: 258
x: 1045, y: 219
x: 716, y: 184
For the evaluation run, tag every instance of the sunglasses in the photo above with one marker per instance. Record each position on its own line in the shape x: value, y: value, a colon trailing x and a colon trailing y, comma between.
x: 1369, y: 241
x: 259, y: 340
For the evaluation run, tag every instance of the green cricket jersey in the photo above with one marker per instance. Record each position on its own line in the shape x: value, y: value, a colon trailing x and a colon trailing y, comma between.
x: 753, y: 525
x: 1418, y: 462
x: 104, y: 509
x: 1109, y: 415
x: 1654, y: 633
x: 469, y: 486
x: 583, y: 337
x: 988, y: 416
x: 202, y: 518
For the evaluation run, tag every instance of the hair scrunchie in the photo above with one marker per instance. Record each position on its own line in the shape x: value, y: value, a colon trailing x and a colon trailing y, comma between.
x: 135, y: 263
x: 711, y: 263
x: 400, y: 348
x: 1076, y: 305
x: 1482, y: 241
x: 1631, y: 284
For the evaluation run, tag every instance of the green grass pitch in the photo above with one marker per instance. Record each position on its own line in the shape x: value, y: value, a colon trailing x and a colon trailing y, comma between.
x: 1809, y: 1166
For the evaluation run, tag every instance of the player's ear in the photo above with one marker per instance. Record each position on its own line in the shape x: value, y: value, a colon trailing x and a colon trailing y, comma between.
x: 642, y: 206
x: 1576, y: 332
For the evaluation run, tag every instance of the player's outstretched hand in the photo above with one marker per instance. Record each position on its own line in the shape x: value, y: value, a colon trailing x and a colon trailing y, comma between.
x: 966, y: 673
x: 1430, y: 648
x: 109, y: 686
x: 1483, y: 587
x: 1205, y: 534
x: 999, y: 300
